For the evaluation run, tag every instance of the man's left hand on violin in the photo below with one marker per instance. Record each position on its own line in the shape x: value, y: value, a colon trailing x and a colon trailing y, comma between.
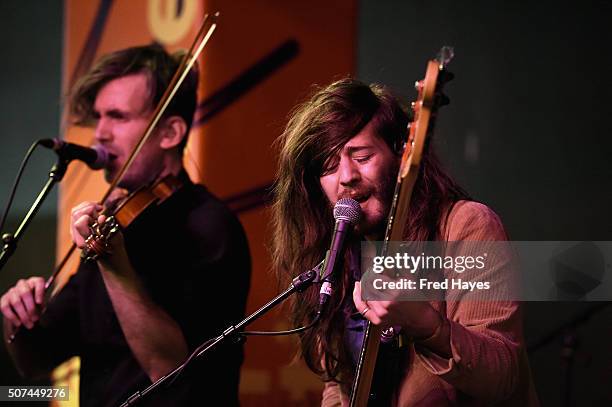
x: 83, y: 219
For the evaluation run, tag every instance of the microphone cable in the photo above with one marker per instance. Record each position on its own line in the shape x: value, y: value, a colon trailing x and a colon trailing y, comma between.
x: 16, y: 183
x: 315, y: 321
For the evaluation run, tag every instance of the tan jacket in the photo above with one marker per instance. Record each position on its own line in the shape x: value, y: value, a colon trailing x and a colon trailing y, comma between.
x: 489, y: 363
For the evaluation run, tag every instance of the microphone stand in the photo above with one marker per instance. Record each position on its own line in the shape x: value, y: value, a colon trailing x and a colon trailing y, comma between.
x: 569, y: 335
x: 299, y: 284
x: 10, y: 240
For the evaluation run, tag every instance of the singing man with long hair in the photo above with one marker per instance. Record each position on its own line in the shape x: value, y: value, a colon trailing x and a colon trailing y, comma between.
x: 346, y: 141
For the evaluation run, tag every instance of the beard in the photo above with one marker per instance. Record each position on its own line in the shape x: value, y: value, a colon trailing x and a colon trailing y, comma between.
x: 378, y: 203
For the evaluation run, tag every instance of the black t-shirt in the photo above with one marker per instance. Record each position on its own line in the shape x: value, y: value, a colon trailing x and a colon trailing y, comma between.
x: 192, y: 255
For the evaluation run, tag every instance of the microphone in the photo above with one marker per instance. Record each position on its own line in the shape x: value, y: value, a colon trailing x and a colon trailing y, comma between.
x: 347, y: 213
x: 95, y: 157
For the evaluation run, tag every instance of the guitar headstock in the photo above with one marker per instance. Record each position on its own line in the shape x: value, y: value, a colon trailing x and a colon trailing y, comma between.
x: 425, y: 107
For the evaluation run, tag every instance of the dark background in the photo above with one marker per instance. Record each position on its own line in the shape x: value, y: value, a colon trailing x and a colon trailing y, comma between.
x: 527, y: 132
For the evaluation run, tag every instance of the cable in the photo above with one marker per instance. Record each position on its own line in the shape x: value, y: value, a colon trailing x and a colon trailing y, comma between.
x: 188, y: 361
x: 16, y: 182
x: 242, y: 334
x: 281, y: 333
x: 239, y: 334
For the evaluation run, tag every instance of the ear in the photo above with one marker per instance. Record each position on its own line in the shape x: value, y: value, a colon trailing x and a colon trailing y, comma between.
x: 173, y: 131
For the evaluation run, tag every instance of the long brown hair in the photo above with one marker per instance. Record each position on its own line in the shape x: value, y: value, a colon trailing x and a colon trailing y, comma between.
x: 302, y: 219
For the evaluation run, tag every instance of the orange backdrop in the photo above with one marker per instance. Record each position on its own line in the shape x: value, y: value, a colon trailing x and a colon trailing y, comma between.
x: 271, y: 52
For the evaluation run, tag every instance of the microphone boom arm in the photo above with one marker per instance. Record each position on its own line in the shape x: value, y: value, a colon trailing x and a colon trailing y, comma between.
x: 299, y: 284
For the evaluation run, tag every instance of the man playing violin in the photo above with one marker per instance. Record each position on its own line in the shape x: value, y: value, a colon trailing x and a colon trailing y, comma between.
x: 137, y: 312
x: 346, y: 141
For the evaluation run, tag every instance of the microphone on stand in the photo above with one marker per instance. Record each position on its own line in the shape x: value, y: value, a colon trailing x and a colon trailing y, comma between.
x: 347, y: 213
x: 95, y: 157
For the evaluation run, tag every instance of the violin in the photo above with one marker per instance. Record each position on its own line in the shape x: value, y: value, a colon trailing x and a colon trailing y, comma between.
x: 124, y: 213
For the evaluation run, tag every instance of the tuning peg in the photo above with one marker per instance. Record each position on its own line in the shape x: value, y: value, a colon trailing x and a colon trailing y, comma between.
x: 445, y: 55
x: 418, y: 85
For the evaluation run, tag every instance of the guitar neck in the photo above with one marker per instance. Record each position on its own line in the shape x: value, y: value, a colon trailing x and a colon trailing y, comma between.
x: 360, y: 392
x: 398, y: 214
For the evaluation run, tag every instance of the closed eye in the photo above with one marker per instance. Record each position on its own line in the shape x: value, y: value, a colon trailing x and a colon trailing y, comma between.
x: 363, y: 158
x: 117, y: 115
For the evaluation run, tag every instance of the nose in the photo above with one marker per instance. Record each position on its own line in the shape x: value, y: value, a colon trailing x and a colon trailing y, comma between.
x: 103, y: 131
x: 348, y: 172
